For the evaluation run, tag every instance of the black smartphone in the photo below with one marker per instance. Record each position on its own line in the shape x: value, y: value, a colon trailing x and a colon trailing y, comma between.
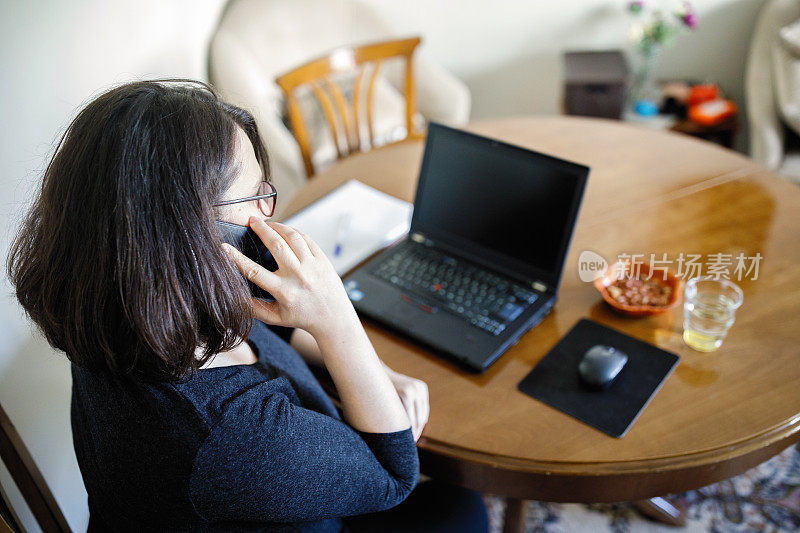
x: 244, y: 239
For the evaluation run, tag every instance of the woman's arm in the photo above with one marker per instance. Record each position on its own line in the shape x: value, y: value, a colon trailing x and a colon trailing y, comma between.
x: 309, y: 295
x: 304, y: 344
x: 412, y: 392
x: 268, y: 459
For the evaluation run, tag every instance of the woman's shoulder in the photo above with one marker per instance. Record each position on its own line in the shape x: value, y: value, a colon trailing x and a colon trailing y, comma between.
x: 206, y: 394
x: 200, y: 399
x: 276, y: 354
x: 273, y: 351
x: 214, y: 391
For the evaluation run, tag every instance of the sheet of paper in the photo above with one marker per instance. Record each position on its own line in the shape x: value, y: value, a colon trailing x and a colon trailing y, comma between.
x: 375, y: 220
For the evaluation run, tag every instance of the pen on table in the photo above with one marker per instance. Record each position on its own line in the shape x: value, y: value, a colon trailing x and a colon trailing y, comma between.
x: 342, y: 230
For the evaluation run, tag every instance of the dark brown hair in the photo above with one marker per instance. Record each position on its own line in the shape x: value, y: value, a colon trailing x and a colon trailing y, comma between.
x: 118, y: 260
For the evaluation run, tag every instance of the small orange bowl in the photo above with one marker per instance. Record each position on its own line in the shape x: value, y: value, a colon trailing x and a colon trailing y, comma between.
x: 644, y: 270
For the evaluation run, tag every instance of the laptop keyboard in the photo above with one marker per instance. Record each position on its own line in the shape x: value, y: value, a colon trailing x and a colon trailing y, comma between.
x: 485, y: 300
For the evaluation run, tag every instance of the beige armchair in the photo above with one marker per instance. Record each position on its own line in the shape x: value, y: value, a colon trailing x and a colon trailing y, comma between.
x: 772, y: 88
x: 258, y: 40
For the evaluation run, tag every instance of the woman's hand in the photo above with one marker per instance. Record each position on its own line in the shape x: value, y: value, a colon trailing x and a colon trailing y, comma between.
x: 309, y: 295
x: 308, y: 292
x: 413, y: 394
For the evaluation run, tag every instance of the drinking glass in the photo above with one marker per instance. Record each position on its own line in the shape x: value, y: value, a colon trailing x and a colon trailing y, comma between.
x: 709, y: 310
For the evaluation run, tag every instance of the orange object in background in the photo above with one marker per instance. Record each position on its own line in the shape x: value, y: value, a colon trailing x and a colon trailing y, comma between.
x: 702, y: 93
x: 712, y: 112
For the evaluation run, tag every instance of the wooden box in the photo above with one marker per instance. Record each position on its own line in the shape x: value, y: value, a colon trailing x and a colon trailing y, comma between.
x: 595, y: 83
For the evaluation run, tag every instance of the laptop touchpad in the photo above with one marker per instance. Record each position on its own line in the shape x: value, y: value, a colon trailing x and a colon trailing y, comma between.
x: 404, y: 313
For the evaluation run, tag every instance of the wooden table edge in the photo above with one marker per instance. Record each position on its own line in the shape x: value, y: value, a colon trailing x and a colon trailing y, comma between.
x: 618, y: 481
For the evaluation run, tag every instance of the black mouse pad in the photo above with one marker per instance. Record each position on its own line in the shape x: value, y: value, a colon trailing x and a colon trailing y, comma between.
x: 556, y: 382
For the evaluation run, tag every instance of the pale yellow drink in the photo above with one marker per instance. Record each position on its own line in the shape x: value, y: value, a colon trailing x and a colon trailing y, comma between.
x: 709, y: 310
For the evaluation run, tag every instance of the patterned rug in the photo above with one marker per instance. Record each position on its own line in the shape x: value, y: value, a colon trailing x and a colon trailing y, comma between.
x: 764, y: 499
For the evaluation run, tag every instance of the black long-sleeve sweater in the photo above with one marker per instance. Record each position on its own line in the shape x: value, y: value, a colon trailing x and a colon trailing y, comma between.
x: 238, y: 448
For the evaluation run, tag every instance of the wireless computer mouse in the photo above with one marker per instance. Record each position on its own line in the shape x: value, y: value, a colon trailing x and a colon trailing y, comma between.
x: 600, y: 365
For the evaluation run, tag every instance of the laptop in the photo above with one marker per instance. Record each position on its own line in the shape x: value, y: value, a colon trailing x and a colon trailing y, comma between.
x: 482, y: 261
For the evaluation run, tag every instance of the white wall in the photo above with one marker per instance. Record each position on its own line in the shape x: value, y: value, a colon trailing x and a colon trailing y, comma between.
x: 55, y: 55
x: 509, y: 52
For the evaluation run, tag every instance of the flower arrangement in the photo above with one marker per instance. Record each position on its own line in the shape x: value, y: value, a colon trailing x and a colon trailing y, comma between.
x: 657, y: 31
x: 660, y: 29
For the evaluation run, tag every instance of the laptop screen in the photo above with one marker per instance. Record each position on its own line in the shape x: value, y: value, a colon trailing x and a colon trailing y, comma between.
x: 501, y: 204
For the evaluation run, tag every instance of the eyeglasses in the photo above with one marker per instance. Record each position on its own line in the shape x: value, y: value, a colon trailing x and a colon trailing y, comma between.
x: 267, y: 199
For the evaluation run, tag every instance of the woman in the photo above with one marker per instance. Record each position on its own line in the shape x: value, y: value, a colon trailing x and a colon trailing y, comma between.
x: 188, y: 411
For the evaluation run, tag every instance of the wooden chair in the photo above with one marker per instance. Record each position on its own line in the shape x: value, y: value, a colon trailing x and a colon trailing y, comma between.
x: 29, y: 479
x: 343, y: 117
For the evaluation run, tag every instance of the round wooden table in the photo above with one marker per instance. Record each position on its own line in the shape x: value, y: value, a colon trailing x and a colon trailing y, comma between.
x: 716, y: 416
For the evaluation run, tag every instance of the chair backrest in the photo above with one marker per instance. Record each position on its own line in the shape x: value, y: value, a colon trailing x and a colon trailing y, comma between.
x: 29, y: 479
x: 760, y: 88
x: 344, y: 115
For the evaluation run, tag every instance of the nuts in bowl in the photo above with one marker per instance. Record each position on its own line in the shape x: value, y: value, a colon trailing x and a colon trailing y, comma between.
x: 636, y: 289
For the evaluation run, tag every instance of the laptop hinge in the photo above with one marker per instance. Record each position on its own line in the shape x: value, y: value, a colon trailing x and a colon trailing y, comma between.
x: 420, y: 238
x: 539, y: 286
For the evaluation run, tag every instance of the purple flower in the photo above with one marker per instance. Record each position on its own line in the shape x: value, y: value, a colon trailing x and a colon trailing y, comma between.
x: 635, y: 6
x: 687, y: 15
